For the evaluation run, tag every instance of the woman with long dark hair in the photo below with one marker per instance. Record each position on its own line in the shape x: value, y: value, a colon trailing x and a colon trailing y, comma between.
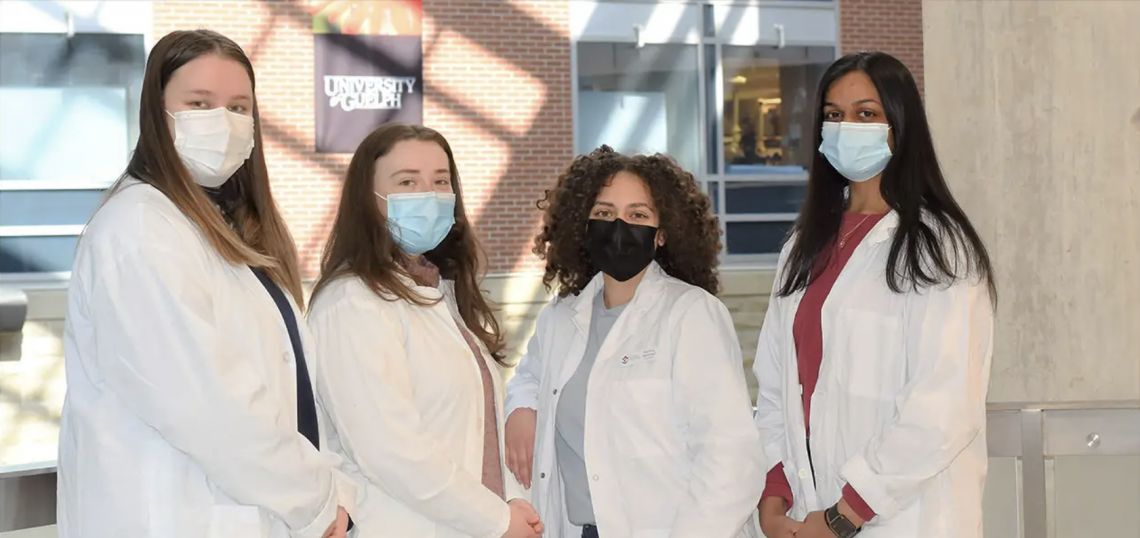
x: 874, y: 356
x: 411, y: 353
x: 190, y: 411
x: 629, y: 414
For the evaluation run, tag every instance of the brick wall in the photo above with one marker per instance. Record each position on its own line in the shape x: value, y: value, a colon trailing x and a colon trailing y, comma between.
x: 497, y: 85
x: 891, y: 26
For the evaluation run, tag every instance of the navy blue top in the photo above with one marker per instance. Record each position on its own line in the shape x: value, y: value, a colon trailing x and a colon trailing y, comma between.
x: 306, y: 402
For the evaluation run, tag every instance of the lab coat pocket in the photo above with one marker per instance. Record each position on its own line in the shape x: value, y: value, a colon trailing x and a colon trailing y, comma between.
x: 228, y: 520
x: 640, y: 416
x: 870, y: 359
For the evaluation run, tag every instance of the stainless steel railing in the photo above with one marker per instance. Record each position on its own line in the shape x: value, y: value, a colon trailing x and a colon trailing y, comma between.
x: 1036, y: 433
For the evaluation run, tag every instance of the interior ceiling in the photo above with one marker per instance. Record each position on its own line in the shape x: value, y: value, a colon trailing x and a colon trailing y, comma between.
x: 762, y: 82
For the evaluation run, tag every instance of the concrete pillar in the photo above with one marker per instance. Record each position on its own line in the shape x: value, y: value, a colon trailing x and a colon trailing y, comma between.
x: 1035, y: 107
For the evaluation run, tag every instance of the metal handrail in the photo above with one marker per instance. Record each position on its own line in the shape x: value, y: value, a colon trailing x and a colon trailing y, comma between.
x: 1036, y: 432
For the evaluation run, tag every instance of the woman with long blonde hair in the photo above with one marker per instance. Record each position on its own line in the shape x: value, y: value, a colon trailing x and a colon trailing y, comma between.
x: 190, y: 410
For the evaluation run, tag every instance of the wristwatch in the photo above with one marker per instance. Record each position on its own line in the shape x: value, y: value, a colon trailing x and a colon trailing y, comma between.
x: 839, y: 524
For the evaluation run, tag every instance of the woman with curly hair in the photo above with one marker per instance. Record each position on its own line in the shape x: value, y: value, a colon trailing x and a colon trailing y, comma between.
x: 629, y: 413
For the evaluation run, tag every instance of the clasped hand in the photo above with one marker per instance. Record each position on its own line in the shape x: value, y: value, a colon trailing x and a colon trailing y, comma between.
x: 525, y: 522
x: 775, y: 523
x: 339, y: 527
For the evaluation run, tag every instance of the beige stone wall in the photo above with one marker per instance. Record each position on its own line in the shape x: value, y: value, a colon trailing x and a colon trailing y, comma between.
x: 32, y: 382
x: 1035, y: 109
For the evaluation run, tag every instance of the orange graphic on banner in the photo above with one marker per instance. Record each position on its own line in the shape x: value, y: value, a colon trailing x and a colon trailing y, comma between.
x: 376, y: 17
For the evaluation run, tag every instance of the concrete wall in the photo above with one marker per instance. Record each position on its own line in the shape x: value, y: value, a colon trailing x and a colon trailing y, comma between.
x: 1035, y: 108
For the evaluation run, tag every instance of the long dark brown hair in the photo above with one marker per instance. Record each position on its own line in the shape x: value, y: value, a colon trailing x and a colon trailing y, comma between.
x: 692, y: 234
x: 259, y: 236
x: 935, y: 243
x: 361, y: 246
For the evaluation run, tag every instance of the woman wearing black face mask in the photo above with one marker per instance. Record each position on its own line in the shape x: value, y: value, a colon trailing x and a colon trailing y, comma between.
x: 629, y: 414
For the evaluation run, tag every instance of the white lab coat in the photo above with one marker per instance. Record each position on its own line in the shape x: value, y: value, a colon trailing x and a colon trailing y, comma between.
x: 670, y: 445
x: 406, y: 398
x: 181, y: 417
x: 900, y: 407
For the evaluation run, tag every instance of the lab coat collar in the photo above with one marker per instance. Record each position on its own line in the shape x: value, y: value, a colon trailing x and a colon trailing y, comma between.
x: 884, y: 229
x: 427, y: 292
x: 643, y: 297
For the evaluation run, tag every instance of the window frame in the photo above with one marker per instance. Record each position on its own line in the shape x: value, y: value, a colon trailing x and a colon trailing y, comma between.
x: 703, y: 10
x: 113, y: 17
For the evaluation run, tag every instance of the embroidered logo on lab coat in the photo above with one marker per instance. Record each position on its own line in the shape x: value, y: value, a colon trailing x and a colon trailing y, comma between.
x: 646, y: 355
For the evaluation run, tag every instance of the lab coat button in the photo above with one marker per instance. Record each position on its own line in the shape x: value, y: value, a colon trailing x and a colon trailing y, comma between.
x: 595, y: 478
x: 555, y: 392
x: 804, y: 474
x: 542, y: 475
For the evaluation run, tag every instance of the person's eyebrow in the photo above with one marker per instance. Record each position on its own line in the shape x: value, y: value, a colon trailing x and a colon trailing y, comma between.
x: 859, y: 102
x: 208, y: 93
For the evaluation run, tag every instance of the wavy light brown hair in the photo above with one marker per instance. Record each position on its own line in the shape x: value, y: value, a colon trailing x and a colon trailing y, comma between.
x: 692, y: 234
x: 360, y: 244
x: 259, y: 236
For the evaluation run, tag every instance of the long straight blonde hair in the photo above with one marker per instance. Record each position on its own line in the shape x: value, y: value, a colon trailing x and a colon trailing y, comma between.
x: 259, y: 236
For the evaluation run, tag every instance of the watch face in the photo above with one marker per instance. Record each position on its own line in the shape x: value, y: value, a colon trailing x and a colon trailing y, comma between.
x: 844, y: 528
x: 840, y: 525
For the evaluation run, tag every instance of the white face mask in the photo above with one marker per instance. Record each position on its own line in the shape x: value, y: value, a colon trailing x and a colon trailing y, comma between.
x: 858, y: 151
x: 213, y: 143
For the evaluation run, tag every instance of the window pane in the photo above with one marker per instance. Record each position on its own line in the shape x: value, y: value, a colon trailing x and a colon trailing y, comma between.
x: 756, y: 237
x: 769, y: 107
x: 69, y: 105
x: 639, y: 100
x: 37, y: 254
x: 48, y: 208
x: 751, y: 197
x: 712, y: 188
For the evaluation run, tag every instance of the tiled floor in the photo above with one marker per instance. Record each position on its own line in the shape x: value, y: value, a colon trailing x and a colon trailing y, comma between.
x: 32, y: 387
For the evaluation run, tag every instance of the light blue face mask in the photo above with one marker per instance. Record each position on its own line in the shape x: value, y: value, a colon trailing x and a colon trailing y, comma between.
x: 419, y: 221
x: 858, y: 151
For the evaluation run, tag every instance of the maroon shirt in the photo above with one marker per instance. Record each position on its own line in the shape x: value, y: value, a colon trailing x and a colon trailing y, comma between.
x: 807, y: 333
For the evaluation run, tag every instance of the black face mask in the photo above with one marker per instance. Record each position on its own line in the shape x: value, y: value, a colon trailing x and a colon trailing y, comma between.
x: 620, y: 249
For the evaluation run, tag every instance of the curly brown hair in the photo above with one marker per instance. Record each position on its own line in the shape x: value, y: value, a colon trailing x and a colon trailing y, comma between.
x: 692, y: 233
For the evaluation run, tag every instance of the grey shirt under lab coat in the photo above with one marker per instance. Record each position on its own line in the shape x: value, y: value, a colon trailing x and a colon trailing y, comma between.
x: 569, y: 420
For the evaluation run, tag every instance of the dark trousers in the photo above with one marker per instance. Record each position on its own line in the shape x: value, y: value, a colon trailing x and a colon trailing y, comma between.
x: 589, y: 531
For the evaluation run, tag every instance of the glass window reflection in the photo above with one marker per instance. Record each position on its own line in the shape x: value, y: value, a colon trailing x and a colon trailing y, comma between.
x: 769, y: 108
x: 639, y: 100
